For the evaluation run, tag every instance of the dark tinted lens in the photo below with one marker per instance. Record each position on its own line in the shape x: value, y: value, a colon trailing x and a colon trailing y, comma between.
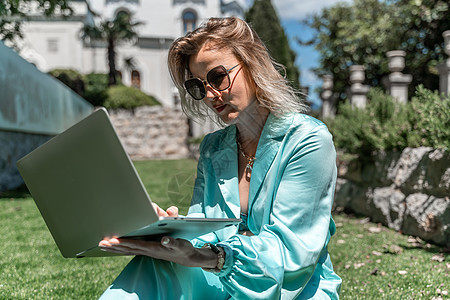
x: 195, y: 88
x: 218, y: 78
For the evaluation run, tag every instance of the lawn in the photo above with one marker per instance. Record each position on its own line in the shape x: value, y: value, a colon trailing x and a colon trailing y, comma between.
x: 374, y: 262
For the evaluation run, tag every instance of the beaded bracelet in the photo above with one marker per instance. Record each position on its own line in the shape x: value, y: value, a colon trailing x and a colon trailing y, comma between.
x: 220, y: 257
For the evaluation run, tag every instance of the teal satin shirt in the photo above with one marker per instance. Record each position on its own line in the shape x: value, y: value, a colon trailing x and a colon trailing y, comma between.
x: 289, y: 210
x: 289, y: 213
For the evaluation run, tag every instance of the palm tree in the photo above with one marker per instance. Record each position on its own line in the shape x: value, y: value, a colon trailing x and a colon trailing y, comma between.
x: 121, y: 29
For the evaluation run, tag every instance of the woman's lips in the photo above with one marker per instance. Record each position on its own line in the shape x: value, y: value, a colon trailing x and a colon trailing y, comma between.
x: 219, y: 108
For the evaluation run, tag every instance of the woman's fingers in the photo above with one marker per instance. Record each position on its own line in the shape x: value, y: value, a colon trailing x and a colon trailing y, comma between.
x: 177, y: 244
x: 159, y: 211
x: 172, y: 211
x: 166, y: 241
x: 106, y: 241
x: 176, y: 250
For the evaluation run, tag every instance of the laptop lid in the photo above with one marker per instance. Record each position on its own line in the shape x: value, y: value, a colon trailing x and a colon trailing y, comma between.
x: 86, y: 187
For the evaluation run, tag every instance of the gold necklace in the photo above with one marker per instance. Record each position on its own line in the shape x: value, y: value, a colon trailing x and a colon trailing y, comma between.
x: 250, y: 159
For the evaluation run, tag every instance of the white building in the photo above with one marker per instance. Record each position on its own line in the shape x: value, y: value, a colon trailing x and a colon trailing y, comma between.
x: 56, y: 43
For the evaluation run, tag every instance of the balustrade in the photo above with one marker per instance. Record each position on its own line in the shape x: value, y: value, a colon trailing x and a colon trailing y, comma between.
x: 358, y: 91
x: 395, y: 83
x: 328, y: 98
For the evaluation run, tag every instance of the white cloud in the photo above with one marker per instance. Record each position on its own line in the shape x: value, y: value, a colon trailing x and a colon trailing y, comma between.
x: 298, y: 9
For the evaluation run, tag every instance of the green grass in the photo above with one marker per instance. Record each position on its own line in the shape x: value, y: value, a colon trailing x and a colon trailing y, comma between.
x: 169, y: 182
x: 31, y: 266
x: 369, y: 262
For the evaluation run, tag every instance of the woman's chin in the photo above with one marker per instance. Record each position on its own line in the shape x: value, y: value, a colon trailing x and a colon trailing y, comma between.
x: 229, y: 118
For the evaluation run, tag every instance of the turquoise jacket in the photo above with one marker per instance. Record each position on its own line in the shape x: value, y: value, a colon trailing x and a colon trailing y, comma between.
x: 289, y: 209
x: 291, y: 193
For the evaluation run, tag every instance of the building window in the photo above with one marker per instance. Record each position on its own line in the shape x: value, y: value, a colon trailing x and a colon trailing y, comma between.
x: 119, y: 74
x: 189, y: 21
x: 135, y: 79
x: 52, y: 45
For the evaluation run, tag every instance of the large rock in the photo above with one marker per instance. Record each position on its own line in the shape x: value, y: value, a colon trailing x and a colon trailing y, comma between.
x: 351, y: 196
x: 407, y: 164
x: 407, y: 191
x: 428, y: 217
x: 387, y: 206
x: 431, y: 176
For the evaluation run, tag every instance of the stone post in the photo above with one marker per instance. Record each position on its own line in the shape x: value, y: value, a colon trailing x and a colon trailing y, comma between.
x: 444, y: 68
x: 358, y: 91
x: 398, y: 82
x: 328, y: 99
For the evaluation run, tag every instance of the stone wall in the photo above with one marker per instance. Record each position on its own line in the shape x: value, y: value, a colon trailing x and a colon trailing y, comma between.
x: 407, y: 191
x: 152, y: 132
x: 149, y: 132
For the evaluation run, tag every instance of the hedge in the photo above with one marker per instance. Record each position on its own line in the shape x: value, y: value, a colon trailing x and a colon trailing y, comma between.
x: 120, y: 96
x: 94, y: 88
x: 390, y: 126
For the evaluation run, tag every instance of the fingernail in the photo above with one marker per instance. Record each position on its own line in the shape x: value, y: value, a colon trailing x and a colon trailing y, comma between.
x: 170, y: 210
x: 165, y: 241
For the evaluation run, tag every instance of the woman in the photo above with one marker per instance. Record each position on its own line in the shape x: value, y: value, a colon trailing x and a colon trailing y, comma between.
x: 272, y: 165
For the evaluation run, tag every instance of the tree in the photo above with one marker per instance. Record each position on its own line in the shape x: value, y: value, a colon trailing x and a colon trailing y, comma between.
x: 363, y: 31
x: 264, y: 20
x: 121, y: 29
x: 14, y: 12
x: 423, y: 23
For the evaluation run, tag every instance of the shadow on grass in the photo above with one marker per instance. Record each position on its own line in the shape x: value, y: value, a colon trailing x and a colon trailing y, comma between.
x: 419, y: 244
x: 431, y: 248
x: 18, y: 193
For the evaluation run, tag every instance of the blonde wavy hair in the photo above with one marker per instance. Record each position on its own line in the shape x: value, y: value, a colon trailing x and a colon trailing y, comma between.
x: 272, y: 89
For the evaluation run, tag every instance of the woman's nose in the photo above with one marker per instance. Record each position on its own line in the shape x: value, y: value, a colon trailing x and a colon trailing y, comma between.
x: 211, y: 93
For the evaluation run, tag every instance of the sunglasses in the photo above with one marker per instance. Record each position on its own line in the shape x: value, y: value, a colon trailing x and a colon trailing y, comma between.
x: 218, y: 78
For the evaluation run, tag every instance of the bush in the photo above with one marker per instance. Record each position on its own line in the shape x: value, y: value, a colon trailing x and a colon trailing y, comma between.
x: 96, y: 86
x: 71, y: 78
x: 121, y: 96
x: 387, y: 125
x: 429, y: 116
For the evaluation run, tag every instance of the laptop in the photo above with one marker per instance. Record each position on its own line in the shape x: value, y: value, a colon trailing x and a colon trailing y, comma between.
x: 86, y: 188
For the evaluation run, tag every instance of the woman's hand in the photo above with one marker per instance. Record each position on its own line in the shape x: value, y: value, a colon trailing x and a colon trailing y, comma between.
x: 170, y: 212
x: 175, y: 250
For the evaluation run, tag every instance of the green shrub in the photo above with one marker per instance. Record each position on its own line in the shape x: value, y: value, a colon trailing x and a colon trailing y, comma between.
x: 121, y: 96
x: 72, y: 78
x: 429, y: 116
x: 387, y: 125
x: 96, y: 86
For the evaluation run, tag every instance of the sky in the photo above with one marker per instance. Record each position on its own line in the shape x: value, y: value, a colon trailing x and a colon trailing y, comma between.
x: 290, y: 13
